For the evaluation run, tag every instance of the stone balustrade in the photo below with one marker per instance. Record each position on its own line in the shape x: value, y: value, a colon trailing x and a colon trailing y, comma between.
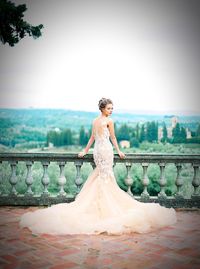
x: 46, y: 198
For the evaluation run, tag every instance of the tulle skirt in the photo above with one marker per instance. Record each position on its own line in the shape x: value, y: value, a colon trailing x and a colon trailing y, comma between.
x: 100, y: 207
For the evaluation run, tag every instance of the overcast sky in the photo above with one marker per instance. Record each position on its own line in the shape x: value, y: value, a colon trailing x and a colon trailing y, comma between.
x: 144, y: 55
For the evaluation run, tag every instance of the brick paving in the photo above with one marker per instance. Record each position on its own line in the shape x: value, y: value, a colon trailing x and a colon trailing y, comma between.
x: 173, y: 247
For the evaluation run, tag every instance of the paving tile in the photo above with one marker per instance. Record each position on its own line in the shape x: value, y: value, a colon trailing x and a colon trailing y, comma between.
x: 172, y: 247
x: 64, y: 265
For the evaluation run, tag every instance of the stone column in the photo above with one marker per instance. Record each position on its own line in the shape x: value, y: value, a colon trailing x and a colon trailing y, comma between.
x: 13, y: 179
x: 196, y: 181
x: 162, y: 182
x: 45, y: 178
x: 78, y: 179
x: 128, y: 180
x: 29, y: 178
x: 178, y: 182
x: 62, y: 179
x: 145, y: 181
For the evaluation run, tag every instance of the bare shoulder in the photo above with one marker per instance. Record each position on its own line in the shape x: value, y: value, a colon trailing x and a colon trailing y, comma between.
x: 94, y: 120
x: 110, y: 121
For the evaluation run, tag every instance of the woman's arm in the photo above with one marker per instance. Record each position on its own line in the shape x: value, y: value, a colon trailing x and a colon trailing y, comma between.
x: 89, y: 144
x: 114, y: 139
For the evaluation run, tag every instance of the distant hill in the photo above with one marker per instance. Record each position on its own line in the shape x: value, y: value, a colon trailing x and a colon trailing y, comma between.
x: 45, y: 119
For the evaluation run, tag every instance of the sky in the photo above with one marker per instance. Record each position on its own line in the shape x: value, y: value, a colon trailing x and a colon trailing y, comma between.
x: 142, y: 54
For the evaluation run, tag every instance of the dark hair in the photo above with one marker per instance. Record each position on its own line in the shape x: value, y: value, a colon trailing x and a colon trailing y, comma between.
x: 103, y: 102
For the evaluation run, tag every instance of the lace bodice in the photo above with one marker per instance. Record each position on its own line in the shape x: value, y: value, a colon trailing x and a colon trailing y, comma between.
x: 103, y: 150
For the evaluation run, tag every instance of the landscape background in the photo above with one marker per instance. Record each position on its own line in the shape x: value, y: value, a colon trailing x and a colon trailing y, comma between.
x: 23, y: 129
x: 27, y: 130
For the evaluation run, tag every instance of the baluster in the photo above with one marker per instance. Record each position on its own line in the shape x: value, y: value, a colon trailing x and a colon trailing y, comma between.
x: 1, y: 178
x: 45, y: 178
x: 62, y: 179
x: 195, y: 181
x: 162, y: 182
x: 78, y: 180
x: 29, y: 178
x: 13, y: 179
x: 114, y: 164
x: 128, y: 180
x: 179, y: 182
x: 145, y: 182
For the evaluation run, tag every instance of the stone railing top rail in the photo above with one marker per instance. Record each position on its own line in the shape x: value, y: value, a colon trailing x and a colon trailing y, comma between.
x: 130, y: 157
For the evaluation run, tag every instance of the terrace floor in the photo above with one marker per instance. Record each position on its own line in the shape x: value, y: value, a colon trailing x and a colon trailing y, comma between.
x: 176, y: 246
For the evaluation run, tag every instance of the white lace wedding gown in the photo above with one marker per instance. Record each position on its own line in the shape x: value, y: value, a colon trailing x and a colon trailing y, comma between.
x: 101, y: 205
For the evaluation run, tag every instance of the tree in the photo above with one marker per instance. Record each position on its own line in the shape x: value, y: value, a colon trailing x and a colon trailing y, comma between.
x: 156, y: 131
x: 176, y: 131
x: 198, y: 131
x: 83, y: 138
x: 134, y: 142
x: 149, y: 132
x: 132, y: 132
x: 61, y: 138
x: 183, y: 133
x: 12, y: 26
x: 67, y: 137
x: 164, y: 138
x: 179, y: 134
x: 123, y: 132
x: 152, y: 131
x: 142, y: 134
x: 51, y: 137
x: 137, y: 129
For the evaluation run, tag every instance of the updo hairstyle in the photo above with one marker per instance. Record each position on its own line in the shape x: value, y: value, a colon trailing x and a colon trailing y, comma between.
x: 104, y: 102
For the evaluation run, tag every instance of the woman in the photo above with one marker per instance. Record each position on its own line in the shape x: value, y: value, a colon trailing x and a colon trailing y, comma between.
x: 101, y: 206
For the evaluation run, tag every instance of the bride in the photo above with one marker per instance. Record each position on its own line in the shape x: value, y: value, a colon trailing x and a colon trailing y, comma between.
x: 101, y: 206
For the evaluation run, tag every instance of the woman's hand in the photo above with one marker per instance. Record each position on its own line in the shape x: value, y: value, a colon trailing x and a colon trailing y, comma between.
x: 121, y: 155
x: 82, y: 154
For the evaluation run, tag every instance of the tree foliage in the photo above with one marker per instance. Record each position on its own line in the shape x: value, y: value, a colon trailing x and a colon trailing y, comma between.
x: 60, y: 138
x: 134, y: 142
x: 83, y: 136
x: 12, y: 26
x: 164, y: 132
x: 123, y: 133
x: 176, y: 131
x: 152, y: 131
x: 142, y: 136
x: 198, y: 131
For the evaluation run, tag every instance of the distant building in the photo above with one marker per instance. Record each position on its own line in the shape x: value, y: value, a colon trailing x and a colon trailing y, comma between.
x: 50, y: 145
x: 188, y: 133
x: 57, y: 129
x: 160, y: 133
x: 124, y: 144
x: 174, y: 121
x: 169, y: 131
